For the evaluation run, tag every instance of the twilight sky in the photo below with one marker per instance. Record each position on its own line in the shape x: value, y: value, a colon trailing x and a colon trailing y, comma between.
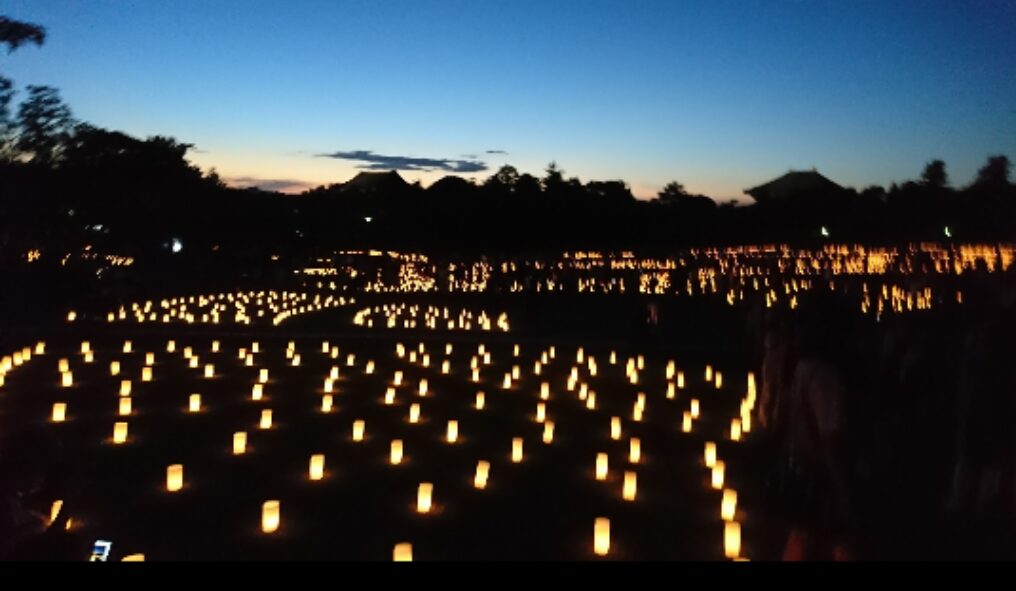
x: 718, y: 94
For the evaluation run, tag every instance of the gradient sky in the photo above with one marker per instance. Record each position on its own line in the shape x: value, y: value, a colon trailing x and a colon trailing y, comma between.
x: 718, y: 94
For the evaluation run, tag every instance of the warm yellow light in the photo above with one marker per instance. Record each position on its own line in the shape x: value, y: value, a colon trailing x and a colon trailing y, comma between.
x: 718, y: 470
x: 397, y: 380
x: 414, y: 412
x: 215, y: 346
x: 59, y: 412
x: 630, y: 485
x: 636, y: 413
x: 54, y: 510
x: 209, y: 370
x: 591, y: 400
x: 541, y: 412
x: 350, y: 360
x: 257, y: 392
x: 482, y: 472
x: 239, y: 443
x: 403, y: 552
x: 125, y: 406
x: 601, y: 536
x: 119, y: 432
x: 709, y: 373
x: 316, y: 470
x: 149, y: 358
x: 146, y: 374
x: 601, y: 466
x: 193, y: 362
x: 507, y: 382
x: 634, y: 450
x: 545, y: 391
x: 517, y: 450
x: 680, y: 380
x: 475, y: 376
x: 125, y: 387
x: 266, y: 419
x: 728, y: 507
x: 263, y: 376
x: 359, y: 426
x: 133, y: 558
x: 395, y: 455
x: 72, y: 316
x: 694, y: 408
x: 270, y: 516
x: 67, y: 379
x: 89, y: 357
x: 671, y: 368
x: 326, y: 403
x: 453, y: 431
x: 745, y: 421
x: 255, y: 347
x: 718, y: 379
x: 710, y: 454
x: 174, y: 477
x: 735, y: 430
x: 424, y: 496
x: 194, y: 404
x: 731, y: 539
x: 423, y: 387
x: 63, y: 366
x: 128, y: 346
x: 480, y: 400
x: 686, y: 422
x: 85, y: 347
x: 548, y: 432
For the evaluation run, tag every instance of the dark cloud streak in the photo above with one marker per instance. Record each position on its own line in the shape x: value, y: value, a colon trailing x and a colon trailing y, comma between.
x: 371, y: 161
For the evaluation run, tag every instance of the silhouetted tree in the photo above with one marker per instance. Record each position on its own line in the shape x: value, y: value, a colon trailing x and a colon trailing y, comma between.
x: 44, y: 125
x: 554, y: 178
x: 672, y: 192
x: 6, y: 120
x: 15, y: 33
x: 934, y: 175
x: 505, y: 177
x: 995, y: 172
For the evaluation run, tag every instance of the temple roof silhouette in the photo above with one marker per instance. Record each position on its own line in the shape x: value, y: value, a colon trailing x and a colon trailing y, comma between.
x: 375, y: 181
x: 794, y: 185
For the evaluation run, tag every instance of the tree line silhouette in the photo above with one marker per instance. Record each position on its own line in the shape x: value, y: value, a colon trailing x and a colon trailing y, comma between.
x: 65, y: 184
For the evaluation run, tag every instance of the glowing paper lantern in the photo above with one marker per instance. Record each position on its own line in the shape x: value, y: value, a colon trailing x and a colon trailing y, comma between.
x: 174, y: 477
x: 403, y: 552
x: 397, y: 380
x: 125, y: 387
x: 64, y: 366
x: 114, y: 368
x: 326, y: 403
x: 209, y: 370
x: 694, y: 408
x: 541, y: 412
x: 507, y: 382
x: 255, y: 347
x: 745, y: 421
x: 735, y: 430
x: 634, y: 450
x: 193, y: 362
x: 414, y: 413
x: 40, y: 348
x: 195, y: 403
x: 215, y: 346
x: 146, y: 374
x: 133, y: 558
x: 728, y: 507
x: 709, y: 373
x: 270, y: 516
x: 423, y: 387
x: 615, y: 428
x: 680, y: 380
x: 127, y: 347
x: 296, y: 360
x: 516, y: 450
x: 350, y: 360
x: 601, y: 536
x: 54, y: 510
x: 85, y: 347
x: 317, y: 467
x: 89, y: 357
x: 395, y: 455
x: 548, y: 432
x: 475, y: 375
x: 390, y: 396
x: 670, y: 370
x: 591, y: 401
x: 125, y: 406
x: 710, y: 454
x: 453, y: 431
x: 72, y: 316
x: 266, y: 419
x: 629, y: 488
x: 480, y: 400
x: 601, y: 466
x: 686, y: 419
x: 119, y: 432
x: 671, y: 391
x: 257, y: 392
x: 482, y: 472
x: 544, y: 391
x: 446, y: 366
x: 59, y: 412
x: 359, y: 426
x: 731, y: 539
x: 718, y: 379
x: 67, y: 379
x: 424, y: 494
x: 239, y: 443
x: 718, y: 470
x: 149, y: 358
x: 263, y: 376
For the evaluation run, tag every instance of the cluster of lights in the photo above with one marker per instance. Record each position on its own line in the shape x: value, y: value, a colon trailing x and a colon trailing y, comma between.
x: 242, y: 308
x: 414, y: 316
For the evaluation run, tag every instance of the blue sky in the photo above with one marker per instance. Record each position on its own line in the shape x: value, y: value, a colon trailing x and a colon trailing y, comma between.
x: 719, y: 94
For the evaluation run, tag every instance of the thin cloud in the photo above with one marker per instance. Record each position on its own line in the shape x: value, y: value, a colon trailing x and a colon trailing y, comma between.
x: 370, y: 161
x: 496, y: 152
